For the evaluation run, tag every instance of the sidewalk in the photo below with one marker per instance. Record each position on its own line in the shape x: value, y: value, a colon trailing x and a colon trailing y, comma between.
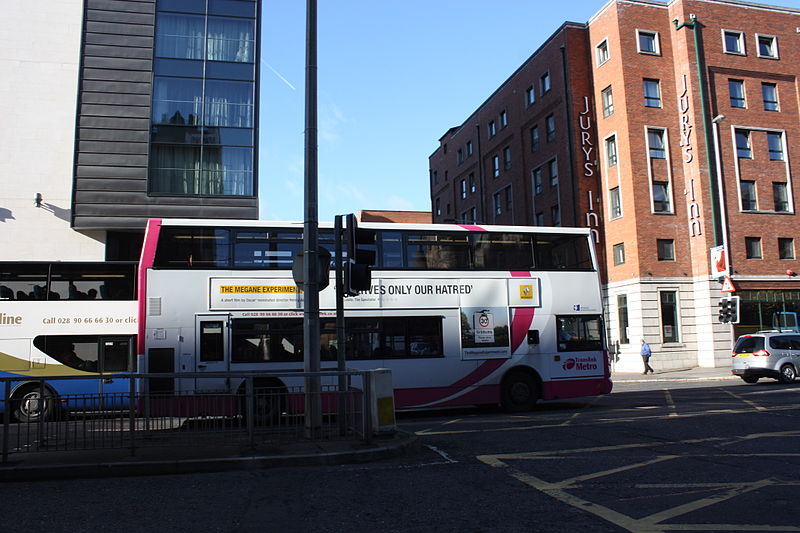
x: 215, y: 456
x: 678, y: 374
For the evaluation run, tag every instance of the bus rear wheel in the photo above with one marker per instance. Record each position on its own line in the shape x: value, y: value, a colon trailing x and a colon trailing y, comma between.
x: 520, y: 392
x: 32, y: 402
x: 268, y: 403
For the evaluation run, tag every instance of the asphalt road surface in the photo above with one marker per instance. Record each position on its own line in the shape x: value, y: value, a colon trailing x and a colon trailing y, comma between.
x: 715, y: 456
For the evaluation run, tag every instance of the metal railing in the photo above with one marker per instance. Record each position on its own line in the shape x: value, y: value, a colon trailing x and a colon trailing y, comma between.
x: 264, y: 411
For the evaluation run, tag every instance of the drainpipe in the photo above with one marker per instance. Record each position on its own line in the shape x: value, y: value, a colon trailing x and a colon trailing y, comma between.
x: 568, y: 102
x: 701, y: 74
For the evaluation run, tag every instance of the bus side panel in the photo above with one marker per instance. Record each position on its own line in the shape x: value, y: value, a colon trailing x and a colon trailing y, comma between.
x: 555, y: 390
x: 445, y: 397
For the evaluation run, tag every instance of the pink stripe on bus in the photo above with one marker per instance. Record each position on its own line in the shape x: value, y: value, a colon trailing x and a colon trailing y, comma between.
x: 470, y: 227
x: 146, y: 261
x: 520, y: 324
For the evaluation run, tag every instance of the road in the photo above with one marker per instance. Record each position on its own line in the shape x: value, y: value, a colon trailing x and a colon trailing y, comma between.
x: 715, y: 456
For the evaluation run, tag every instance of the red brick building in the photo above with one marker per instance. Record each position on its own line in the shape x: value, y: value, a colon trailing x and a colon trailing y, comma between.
x: 686, y: 142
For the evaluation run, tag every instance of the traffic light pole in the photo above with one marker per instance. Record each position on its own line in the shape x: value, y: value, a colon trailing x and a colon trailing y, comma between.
x: 313, y: 397
x: 341, y: 339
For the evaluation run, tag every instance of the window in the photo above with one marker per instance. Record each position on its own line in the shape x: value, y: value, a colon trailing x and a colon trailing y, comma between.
x: 785, y: 248
x: 435, y: 176
x: 496, y: 166
x: 530, y: 96
x: 492, y: 129
x: 652, y: 93
x: 736, y: 89
x: 498, y: 209
x: 748, y: 192
x: 460, y: 156
x: 752, y: 247
x: 509, y: 199
x: 550, y: 126
x: 661, y: 203
x: 537, y: 180
x: 648, y: 42
x: 780, y: 197
x: 535, y: 139
x: 545, y: 82
x: 666, y: 249
x: 607, y: 96
x: 767, y: 46
x: 540, y: 218
x: 553, y: 168
x: 655, y: 142
x: 469, y: 148
x: 619, y: 253
x: 769, y: 92
x: 743, y: 144
x: 438, y: 207
x: 616, y: 203
x: 622, y: 314
x: 669, y: 316
x: 611, y: 151
x: 503, y: 119
x: 507, y: 157
x: 733, y: 41
x: 463, y: 189
x: 579, y: 333
x: 446, y: 175
x: 471, y: 183
x: 212, y: 38
x: 602, y: 52
x: 775, y: 143
x: 555, y: 214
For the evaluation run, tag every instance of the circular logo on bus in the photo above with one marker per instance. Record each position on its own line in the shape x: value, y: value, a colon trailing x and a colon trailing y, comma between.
x: 569, y: 364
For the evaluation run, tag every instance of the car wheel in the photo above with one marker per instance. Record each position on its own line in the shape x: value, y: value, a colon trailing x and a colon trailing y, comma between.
x: 32, y: 402
x: 750, y: 379
x: 520, y: 392
x: 788, y: 374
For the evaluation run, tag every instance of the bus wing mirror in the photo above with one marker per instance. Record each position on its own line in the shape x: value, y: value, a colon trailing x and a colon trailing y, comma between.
x: 533, y: 336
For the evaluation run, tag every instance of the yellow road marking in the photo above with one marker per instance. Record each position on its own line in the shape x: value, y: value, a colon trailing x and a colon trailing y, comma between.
x: 751, y: 403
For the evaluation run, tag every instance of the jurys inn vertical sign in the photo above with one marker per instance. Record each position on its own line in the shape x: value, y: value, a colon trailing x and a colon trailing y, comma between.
x: 588, y: 167
x: 687, y: 152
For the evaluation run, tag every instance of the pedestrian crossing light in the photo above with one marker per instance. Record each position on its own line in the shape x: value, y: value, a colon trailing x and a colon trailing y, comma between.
x: 729, y: 310
x: 360, y: 250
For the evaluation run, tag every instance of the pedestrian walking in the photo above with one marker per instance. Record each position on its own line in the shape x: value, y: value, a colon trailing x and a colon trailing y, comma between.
x: 646, y: 353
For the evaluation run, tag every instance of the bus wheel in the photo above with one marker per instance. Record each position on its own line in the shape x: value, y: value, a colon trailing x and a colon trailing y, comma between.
x: 520, y: 392
x: 29, y: 403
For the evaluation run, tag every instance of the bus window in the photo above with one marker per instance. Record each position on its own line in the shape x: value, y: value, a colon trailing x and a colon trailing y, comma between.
x: 211, y: 341
x: 193, y: 248
x: 578, y: 333
x: 394, y: 337
x: 267, y: 339
x: 503, y: 251
x: 75, y: 351
x: 562, y: 252
x: 391, y: 246
x: 93, y: 281
x: 439, y: 251
x: 26, y: 281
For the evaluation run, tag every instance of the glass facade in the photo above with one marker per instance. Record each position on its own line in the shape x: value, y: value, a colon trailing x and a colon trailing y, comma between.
x: 204, y: 106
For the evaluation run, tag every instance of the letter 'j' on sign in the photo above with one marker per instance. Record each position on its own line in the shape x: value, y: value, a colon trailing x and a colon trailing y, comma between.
x: 526, y: 292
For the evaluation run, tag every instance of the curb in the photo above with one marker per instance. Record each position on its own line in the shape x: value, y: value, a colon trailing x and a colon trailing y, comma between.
x: 134, y: 467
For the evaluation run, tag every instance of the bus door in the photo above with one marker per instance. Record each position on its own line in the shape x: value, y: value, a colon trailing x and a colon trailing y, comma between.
x: 211, y: 347
x: 115, y: 356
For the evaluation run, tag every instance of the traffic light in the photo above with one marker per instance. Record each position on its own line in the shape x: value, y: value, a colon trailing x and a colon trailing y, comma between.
x: 360, y: 250
x: 733, y: 312
x: 729, y: 310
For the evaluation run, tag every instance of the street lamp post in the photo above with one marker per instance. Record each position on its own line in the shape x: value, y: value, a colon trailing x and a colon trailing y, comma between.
x: 723, y: 211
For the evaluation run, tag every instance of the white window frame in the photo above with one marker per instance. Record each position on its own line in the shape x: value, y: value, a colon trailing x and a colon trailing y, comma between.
x: 492, y: 129
x: 545, y: 83
x: 602, y: 52
x: 764, y: 101
x: 611, y: 214
x: 656, y: 42
x: 742, y: 52
x: 740, y: 84
x: 530, y: 96
x: 774, y: 38
x: 503, y: 119
x: 607, y: 101
x: 611, y: 159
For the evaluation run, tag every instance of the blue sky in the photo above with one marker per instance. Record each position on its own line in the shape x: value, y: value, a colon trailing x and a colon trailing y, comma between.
x: 394, y: 75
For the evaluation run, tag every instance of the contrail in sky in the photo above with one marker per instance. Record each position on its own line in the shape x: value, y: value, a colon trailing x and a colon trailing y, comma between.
x: 284, y: 80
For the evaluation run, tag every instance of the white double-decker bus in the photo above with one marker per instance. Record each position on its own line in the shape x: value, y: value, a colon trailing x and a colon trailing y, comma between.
x: 462, y: 315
